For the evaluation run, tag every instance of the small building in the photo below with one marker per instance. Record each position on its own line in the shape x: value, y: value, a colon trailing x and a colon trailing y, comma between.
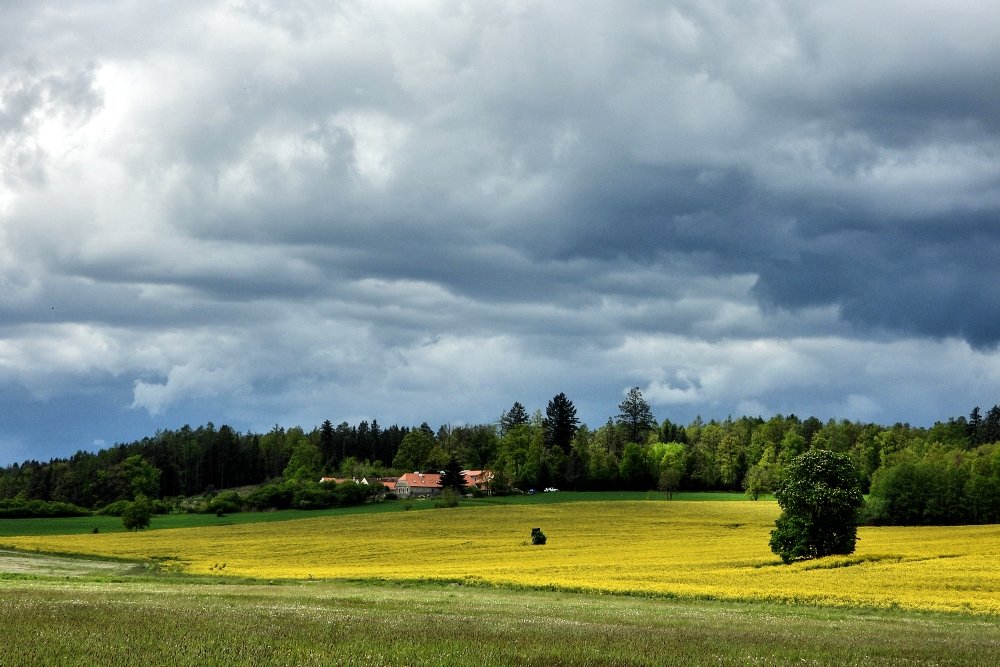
x: 388, y: 482
x: 341, y: 480
x: 478, y: 479
x: 418, y: 484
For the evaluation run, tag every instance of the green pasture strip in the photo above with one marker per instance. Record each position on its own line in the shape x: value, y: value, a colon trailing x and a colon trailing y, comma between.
x: 160, y: 622
x: 112, y: 524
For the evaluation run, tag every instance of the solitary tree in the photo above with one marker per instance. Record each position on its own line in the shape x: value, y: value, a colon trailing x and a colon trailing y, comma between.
x: 821, y: 499
x: 635, y: 416
x: 137, y: 513
x: 560, y: 422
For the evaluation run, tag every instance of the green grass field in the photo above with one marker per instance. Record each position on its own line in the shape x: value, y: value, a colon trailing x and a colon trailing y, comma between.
x: 111, y: 524
x: 128, y: 619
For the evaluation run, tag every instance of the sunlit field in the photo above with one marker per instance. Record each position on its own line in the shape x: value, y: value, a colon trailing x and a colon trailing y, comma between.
x: 706, y: 549
x: 175, y: 621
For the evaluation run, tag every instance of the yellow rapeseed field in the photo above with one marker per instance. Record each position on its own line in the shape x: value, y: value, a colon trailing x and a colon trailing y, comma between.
x: 705, y: 549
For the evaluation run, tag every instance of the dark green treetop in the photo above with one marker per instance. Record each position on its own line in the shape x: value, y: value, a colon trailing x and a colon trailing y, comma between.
x: 560, y: 422
x: 635, y: 415
x: 820, y: 497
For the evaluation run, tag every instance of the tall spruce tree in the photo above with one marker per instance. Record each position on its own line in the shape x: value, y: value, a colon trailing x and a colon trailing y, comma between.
x: 560, y: 422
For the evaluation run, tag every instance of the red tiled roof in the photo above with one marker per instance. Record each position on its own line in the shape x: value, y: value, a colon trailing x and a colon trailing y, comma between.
x: 422, y: 480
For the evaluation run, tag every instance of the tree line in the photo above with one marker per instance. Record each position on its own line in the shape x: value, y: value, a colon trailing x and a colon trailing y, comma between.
x: 947, y: 473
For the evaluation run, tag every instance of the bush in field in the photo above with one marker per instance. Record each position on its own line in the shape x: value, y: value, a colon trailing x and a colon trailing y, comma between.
x: 269, y: 496
x: 821, y: 500
x: 20, y: 508
x: 313, y: 495
x: 225, y: 503
x: 352, y: 493
x: 137, y: 514
x: 448, y: 498
x: 116, y: 508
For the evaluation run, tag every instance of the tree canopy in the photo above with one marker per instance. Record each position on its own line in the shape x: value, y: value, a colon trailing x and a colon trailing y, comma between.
x: 560, y: 422
x: 821, y: 501
x: 635, y: 415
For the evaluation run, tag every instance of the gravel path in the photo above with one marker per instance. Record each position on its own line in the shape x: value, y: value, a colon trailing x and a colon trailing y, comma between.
x: 19, y: 562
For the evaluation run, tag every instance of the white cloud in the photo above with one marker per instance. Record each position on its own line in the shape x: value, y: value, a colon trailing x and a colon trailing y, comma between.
x: 430, y: 210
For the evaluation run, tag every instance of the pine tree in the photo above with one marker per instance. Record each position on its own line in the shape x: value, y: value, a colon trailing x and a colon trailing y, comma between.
x: 513, y: 418
x: 560, y: 422
x: 636, y: 416
x: 327, y: 444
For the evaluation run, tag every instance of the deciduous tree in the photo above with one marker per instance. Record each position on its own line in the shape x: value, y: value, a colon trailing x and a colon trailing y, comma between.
x: 821, y: 502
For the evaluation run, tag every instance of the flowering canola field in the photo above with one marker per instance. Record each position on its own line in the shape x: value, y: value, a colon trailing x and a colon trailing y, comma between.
x: 677, y: 548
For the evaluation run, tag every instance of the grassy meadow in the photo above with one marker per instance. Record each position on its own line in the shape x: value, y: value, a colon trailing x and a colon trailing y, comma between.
x: 693, y: 550
x: 174, y: 621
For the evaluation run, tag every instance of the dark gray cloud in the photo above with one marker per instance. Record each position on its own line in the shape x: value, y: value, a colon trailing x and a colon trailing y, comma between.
x: 294, y: 211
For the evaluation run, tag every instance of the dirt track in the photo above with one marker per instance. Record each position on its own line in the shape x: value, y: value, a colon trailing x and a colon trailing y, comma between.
x: 19, y: 562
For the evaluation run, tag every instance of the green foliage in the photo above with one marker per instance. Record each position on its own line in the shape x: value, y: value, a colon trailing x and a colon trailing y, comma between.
x: 820, y: 500
x: 635, y: 416
x: 516, y: 416
x: 932, y: 486
x: 764, y: 476
x: 19, y: 508
x: 414, y: 451
x: 448, y: 498
x: 452, y: 477
x: 306, y: 463
x: 949, y: 479
x: 560, y: 422
x: 635, y: 469
x: 670, y: 481
x: 137, y: 513
x: 269, y: 496
x: 143, y: 477
x: 228, y: 502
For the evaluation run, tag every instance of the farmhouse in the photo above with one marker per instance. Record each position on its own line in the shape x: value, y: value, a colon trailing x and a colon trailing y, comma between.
x: 478, y: 479
x: 417, y: 484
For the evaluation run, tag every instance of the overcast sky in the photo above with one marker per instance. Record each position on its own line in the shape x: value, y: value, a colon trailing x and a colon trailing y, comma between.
x: 257, y: 212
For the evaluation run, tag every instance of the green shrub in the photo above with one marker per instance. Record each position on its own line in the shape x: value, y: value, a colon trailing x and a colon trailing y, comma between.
x: 448, y: 498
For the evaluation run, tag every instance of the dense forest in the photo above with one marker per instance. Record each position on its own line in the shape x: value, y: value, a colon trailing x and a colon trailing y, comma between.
x: 948, y: 473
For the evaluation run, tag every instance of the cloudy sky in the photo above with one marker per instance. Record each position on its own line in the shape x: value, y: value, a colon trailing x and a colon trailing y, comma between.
x: 257, y: 212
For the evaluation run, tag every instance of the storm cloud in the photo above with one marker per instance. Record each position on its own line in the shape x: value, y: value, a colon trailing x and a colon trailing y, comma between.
x: 254, y: 212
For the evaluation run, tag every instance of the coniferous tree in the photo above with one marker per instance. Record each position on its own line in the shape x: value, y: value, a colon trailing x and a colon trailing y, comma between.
x: 452, y: 477
x: 560, y: 422
x: 974, y: 426
x: 991, y: 426
x: 635, y: 415
x: 513, y: 418
x: 327, y: 444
